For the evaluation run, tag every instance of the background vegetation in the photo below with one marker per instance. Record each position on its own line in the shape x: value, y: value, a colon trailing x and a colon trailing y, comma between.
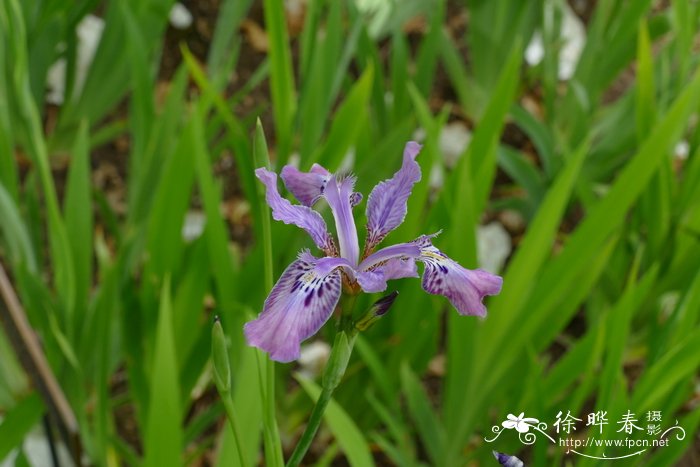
x: 601, y: 297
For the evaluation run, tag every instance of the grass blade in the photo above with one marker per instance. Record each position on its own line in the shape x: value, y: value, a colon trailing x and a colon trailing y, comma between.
x: 163, y: 432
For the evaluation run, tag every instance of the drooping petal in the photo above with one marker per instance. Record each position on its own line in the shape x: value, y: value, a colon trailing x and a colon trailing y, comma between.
x: 300, y: 303
x: 396, y: 268
x: 386, y: 205
x: 307, y: 187
x: 301, y: 216
x: 338, y: 193
x: 463, y: 287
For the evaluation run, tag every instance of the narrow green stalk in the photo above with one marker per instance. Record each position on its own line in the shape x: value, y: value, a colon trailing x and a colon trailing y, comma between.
x: 273, y: 445
x: 228, y: 405
x: 332, y: 375
x: 222, y: 379
x: 311, y: 427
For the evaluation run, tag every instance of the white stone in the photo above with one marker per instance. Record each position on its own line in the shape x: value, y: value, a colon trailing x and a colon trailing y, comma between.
x: 573, y: 37
x: 313, y: 358
x: 682, y: 150
x: 534, y: 53
x: 180, y: 17
x: 454, y: 139
x: 89, y: 32
x: 193, y: 226
x: 494, y: 247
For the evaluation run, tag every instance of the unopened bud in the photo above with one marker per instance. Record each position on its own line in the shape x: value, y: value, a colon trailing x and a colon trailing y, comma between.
x: 219, y: 356
x: 507, y: 460
x: 376, y: 311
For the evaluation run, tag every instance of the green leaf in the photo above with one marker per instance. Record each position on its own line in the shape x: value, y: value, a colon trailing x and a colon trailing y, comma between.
x: 170, y: 206
x: 521, y: 275
x: 163, y: 432
x: 14, y: 230
x: 676, y: 367
x: 346, y: 126
x: 18, y: 422
x: 77, y: 207
x: 431, y: 431
x: 281, y: 76
x: 646, y: 92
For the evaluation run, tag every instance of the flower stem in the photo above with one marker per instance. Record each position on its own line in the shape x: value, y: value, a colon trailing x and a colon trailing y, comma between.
x: 228, y: 406
x: 311, y: 427
x: 332, y: 375
x: 266, y: 367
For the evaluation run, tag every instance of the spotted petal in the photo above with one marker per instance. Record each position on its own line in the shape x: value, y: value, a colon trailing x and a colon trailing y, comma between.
x: 307, y: 187
x: 463, y: 287
x: 298, y: 305
x: 301, y: 216
x: 386, y: 205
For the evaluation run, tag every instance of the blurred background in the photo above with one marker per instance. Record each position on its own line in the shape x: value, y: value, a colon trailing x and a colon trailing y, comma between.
x: 560, y: 151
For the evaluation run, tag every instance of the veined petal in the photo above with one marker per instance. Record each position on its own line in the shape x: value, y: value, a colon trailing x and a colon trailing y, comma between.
x: 301, y: 216
x: 300, y: 303
x: 386, y: 205
x: 406, y: 250
x: 463, y: 287
x: 307, y: 187
x: 338, y: 193
x: 395, y: 268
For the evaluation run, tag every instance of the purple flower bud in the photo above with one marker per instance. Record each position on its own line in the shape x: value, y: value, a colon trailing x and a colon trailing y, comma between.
x: 382, y: 305
x: 507, y: 460
x: 376, y: 311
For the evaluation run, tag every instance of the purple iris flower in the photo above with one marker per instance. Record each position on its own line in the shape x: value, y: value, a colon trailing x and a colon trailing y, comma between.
x: 306, y: 294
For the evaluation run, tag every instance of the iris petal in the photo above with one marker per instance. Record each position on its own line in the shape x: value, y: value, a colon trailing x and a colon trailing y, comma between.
x: 396, y: 268
x: 338, y: 193
x: 400, y: 250
x: 464, y: 288
x: 301, y: 216
x: 307, y: 187
x: 300, y: 303
x: 386, y: 205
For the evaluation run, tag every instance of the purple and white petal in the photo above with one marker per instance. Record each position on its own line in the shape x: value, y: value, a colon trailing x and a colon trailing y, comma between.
x: 463, y: 287
x: 400, y: 250
x: 301, y: 216
x: 300, y: 303
x: 386, y: 205
x: 307, y: 187
x: 338, y: 194
x: 396, y: 268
